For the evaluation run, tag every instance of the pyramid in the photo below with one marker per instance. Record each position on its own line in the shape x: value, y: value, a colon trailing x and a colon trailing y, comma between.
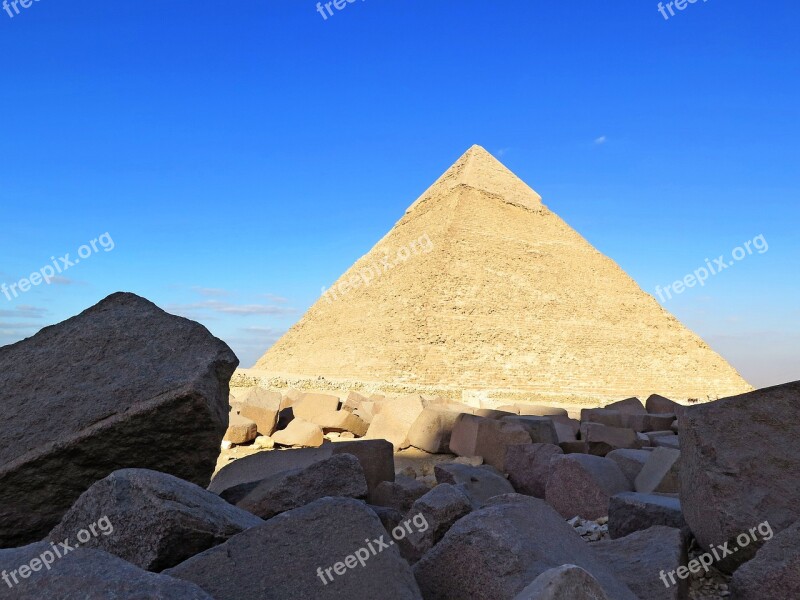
x: 479, y: 288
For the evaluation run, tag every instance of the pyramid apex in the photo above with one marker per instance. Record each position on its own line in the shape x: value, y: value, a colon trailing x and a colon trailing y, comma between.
x: 479, y: 169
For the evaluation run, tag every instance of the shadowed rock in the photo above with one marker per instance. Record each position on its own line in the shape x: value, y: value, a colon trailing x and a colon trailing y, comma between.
x: 495, y: 552
x: 632, y: 511
x: 283, y: 558
x: 567, y: 582
x: 122, y: 385
x: 641, y: 558
x: 94, y: 575
x: 152, y: 520
x: 774, y: 573
x: 582, y: 485
x: 741, y: 453
x: 339, y: 475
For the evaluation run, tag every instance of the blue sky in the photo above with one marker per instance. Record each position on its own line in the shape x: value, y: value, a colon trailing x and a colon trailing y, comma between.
x: 242, y: 155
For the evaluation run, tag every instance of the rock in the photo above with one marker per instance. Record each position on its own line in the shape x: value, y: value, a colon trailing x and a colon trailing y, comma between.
x: 390, y: 517
x: 264, y: 442
x: 603, y: 416
x: 659, y: 405
x: 234, y: 481
x: 340, y: 420
x: 376, y: 458
x: 439, y: 509
x: 340, y: 475
x: 299, y: 433
x: 353, y: 401
x: 309, y: 405
x: 631, y: 406
x: 644, y: 559
x: 432, y: 429
x: 661, y: 472
x: 533, y: 410
x: 472, y: 461
x: 316, y: 551
x: 261, y: 406
x: 567, y: 582
x: 479, y: 483
x: 667, y: 441
x: 774, y: 573
x: 632, y: 511
x: 240, y: 430
x: 128, y: 396
x: 528, y: 467
x: 645, y: 422
x: 495, y: 552
x: 152, y: 520
x: 93, y: 575
x: 630, y: 461
x: 541, y: 429
x: 489, y: 438
x: 395, y: 420
x: 576, y: 447
x: 741, y: 453
x: 566, y: 429
x: 399, y: 494
x: 602, y: 439
x: 582, y: 485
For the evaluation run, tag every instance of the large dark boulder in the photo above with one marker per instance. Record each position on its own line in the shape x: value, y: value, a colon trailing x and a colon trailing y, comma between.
x: 740, y: 466
x: 122, y: 385
x: 84, y: 574
x: 324, y: 550
x: 152, y: 520
x: 495, y: 552
x: 775, y: 571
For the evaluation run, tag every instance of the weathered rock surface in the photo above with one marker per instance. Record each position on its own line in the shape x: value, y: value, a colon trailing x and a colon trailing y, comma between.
x: 432, y: 429
x: 483, y: 436
x: 661, y: 472
x: 479, y: 483
x: 340, y: 420
x: 567, y: 582
x: 129, y: 396
x: 261, y: 406
x: 152, y: 520
x: 632, y: 406
x: 399, y: 494
x: 660, y: 405
x: 582, y: 485
x: 541, y: 429
x: 602, y: 439
x: 740, y: 466
x: 310, y: 404
x: 528, y: 467
x: 300, y: 433
x: 497, y: 551
x: 240, y: 430
x: 639, y: 560
x: 395, y: 420
x: 630, y: 461
x: 283, y: 558
x: 376, y: 458
x: 340, y: 475
x: 238, y: 478
x: 85, y: 574
x: 632, y: 511
x: 774, y: 573
x: 440, y: 508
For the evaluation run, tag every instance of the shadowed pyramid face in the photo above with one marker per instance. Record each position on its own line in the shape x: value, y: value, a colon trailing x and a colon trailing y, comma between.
x: 480, y: 287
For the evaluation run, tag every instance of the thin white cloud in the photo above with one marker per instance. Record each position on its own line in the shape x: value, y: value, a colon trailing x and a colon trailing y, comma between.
x: 211, y: 292
x: 600, y: 141
x: 228, y: 308
x: 24, y: 311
